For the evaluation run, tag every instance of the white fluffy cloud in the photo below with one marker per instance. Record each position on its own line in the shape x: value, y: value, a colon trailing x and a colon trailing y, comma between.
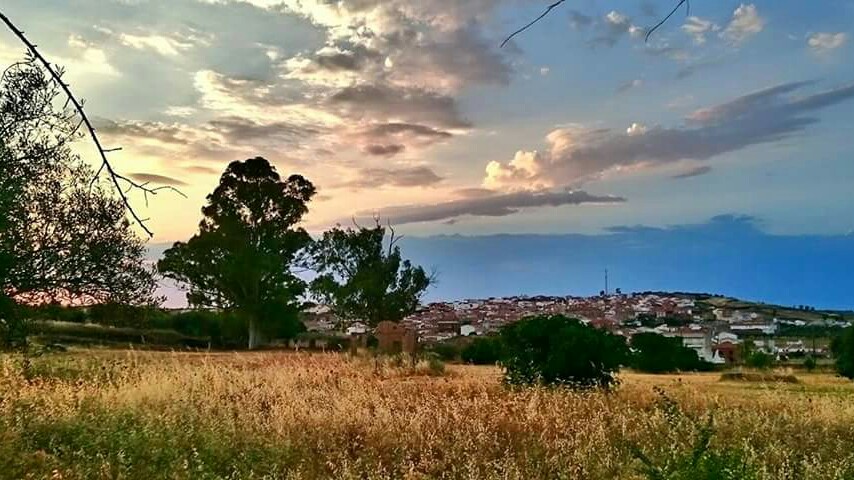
x: 746, y: 22
x: 822, y: 42
x: 699, y: 29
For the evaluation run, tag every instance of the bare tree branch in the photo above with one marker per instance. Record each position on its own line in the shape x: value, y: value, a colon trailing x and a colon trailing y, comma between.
x: 517, y: 32
x: 115, y: 177
x: 551, y: 7
x: 663, y: 21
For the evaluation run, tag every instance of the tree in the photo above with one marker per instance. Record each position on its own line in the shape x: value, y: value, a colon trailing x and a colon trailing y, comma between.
x: 843, y: 351
x: 759, y: 360
x: 63, y: 236
x: 55, y: 76
x: 242, y: 258
x: 655, y: 353
x: 556, y: 350
x: 363, y: 279
x: 482, y: 351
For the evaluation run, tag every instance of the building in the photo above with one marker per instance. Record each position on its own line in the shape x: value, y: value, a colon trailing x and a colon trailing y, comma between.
x: 395, y: 337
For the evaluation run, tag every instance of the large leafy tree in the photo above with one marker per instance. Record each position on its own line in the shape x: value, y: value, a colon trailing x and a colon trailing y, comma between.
x: 242, y: 258
x: 63, y: 235
x: 556, y: 350
x: 363, y: 277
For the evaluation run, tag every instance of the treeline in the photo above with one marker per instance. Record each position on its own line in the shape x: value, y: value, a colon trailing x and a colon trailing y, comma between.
x: 560, y: 350
x: 122, y: 323
x: 646, y: 352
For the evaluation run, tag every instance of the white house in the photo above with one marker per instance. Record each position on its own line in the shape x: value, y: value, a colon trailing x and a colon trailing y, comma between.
x: 466, y: 330
x: 357, y: 328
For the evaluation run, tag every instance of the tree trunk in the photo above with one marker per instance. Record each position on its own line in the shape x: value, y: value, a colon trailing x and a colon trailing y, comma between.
x: 254, y: 333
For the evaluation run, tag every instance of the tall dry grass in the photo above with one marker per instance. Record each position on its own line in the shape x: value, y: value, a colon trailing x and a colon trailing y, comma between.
x: 275, y: 415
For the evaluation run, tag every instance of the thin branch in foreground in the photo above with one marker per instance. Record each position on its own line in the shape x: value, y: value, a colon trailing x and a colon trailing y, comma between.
x: 551, y: 7
x: 115, y: 177
x: 517, y: 32
x: 672, y: 12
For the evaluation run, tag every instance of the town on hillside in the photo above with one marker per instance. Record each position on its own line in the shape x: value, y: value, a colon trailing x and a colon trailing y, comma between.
x: 713, y: 326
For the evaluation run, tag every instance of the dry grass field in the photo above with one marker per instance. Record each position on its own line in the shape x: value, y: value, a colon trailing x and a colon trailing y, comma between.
x: 148, y: 415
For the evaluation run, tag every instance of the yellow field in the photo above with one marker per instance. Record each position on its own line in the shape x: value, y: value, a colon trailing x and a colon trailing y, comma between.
x: 284, y: 415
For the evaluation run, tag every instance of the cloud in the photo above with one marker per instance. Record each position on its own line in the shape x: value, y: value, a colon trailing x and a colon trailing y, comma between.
x: 201, y: 169
x: 613, y: 27
x: 173, y: 133
x: 636, y: 129
x: 243, y: 130
x: 630, y: 85
x: 414, y: 105
x: 384, y: 150
x: 158, y: 179
x: 87, y: 59
x: 161, y: 44
x: 699, y: 28
x: 823, y: 42
x: 418, y: 176
x: 578, y: 20
x: 498, y: 205
x: 394, y: 129
x: 693, y: 172
x: 746, y: 22
x: 576, y: 154
x: 691, y: 69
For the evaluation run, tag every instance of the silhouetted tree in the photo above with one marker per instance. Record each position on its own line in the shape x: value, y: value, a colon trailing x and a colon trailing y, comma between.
x: 63, y: 236
x: 362, y: 278
x: 242, y: 258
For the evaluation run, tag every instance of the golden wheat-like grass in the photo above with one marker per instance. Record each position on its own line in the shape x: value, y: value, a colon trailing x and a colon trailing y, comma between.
x: 304, y: 415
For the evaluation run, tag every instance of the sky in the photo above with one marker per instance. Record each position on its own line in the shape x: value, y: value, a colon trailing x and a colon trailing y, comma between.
x: 411, y: 109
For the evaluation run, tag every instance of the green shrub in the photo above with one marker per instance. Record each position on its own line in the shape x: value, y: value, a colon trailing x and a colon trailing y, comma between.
x: 760, y: 360
x: 654, y: 353
x: 556, y: 350
x: 446, y: 351
x: 843, y: 352
x: 13, y: 326
x: 482, y: 351
x: 64, y: 332
x: 121, y: 315
x: 810, y: 363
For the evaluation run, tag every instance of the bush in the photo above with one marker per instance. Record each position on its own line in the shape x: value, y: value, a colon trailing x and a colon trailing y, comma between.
x: 810, y: 363
x: 13, y: 326
x: 482, y: 351
x: 121, y: 315
x: 760, y: 360
x: 843, y: 351
x: 446, y: 351
x: 65, y: 332
x: 435, y: 365
x: 556, y: 350
x: 656, y: 353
